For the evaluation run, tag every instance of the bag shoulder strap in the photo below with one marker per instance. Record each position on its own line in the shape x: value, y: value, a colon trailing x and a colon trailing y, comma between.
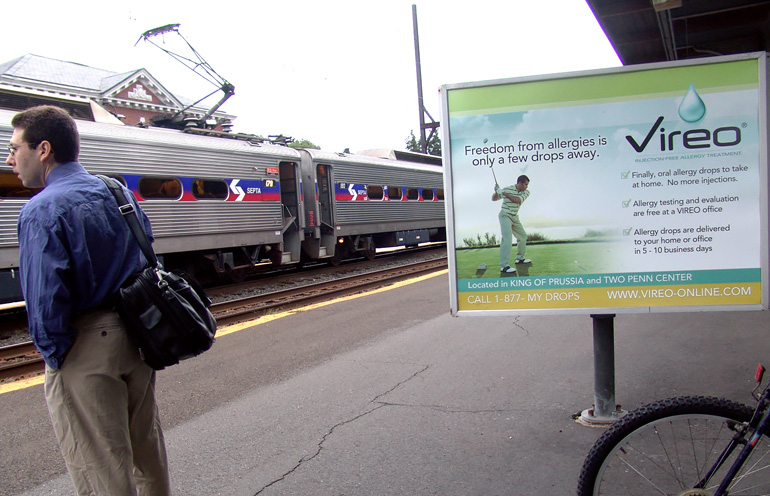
x: 129, y: 213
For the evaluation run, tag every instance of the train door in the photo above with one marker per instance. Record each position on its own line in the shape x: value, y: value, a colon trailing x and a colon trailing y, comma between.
x: 291, y: 205
x: 325, y: 191
x: 326, y: 209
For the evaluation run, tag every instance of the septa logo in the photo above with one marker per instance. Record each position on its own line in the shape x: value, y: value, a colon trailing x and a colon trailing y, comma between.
x: 237, y: 190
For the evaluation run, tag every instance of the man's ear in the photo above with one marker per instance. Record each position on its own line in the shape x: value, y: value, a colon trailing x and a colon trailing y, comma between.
x: 46, y: 151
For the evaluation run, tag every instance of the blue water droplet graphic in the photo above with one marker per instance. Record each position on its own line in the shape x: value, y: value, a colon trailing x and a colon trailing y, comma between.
x: 692, y: 108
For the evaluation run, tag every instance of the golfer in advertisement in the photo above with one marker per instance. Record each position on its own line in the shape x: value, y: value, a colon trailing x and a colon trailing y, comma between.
x: 510, y: 225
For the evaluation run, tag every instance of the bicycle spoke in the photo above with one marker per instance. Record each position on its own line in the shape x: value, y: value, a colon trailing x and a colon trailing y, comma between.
x: 667, y: 468
x: 673, y: 446
x: 751, y: 471
x: 661, y: 491
x: 674, y: 471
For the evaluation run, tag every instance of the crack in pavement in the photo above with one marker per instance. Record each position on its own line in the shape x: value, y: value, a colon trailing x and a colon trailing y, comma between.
x: 445, y: 409
x: 377, y: 406
x: 516, y: 324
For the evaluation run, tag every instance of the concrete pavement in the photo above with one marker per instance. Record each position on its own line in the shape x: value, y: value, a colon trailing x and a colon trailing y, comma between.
x: 450, y: 406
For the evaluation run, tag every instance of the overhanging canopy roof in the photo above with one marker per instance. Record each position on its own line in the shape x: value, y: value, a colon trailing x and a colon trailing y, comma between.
x: 642, y: 32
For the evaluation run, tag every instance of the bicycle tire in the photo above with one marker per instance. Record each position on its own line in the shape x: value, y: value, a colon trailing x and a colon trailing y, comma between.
x: 666, y: 447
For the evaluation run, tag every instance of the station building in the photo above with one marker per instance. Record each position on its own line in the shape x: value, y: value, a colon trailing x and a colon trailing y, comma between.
x: 133, y: 98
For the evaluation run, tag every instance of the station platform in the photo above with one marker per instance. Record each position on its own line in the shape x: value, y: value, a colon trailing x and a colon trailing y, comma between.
x: 387, y: 394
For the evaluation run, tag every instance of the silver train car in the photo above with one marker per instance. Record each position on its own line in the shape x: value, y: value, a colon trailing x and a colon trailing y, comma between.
x: 358, y: 203
x: 220, y: 207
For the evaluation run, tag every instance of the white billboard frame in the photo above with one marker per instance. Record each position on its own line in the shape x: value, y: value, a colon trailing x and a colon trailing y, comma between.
x: 501, y: 104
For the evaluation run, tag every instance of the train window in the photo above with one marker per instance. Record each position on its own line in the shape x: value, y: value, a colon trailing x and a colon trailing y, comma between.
x: 395, y: 193
x: 412, y: 194
x: 11, y: 187
x: 427, y: 194
x: 160, y: 188
x: 374, y: 192
x: 209, y: 189
x: 440, y: 194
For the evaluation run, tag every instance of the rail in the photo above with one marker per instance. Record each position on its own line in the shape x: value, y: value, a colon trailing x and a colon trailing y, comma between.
x: 19, y: 360
x: 230, y: 312
x: 23, y: 360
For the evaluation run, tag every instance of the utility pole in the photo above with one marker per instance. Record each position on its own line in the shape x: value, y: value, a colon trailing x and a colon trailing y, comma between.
x: 431, y: 124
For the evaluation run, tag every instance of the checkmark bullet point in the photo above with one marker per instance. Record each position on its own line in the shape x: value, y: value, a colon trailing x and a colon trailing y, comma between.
x: 626, y: 232
x: 624, y: 175
x: 627, y: 203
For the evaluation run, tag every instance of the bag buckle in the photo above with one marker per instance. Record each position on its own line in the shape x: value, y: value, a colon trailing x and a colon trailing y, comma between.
x: 162, y: 283
x: 126, y: 209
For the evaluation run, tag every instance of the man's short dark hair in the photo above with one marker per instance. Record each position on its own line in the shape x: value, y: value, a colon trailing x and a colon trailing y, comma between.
x: 51, y: 124
x: 522, y: 178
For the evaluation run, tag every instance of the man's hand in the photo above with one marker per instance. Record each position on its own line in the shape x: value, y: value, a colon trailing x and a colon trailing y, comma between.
x: 498, y: 191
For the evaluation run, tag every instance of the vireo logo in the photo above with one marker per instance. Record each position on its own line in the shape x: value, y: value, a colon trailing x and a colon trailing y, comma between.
x: 691, y: 110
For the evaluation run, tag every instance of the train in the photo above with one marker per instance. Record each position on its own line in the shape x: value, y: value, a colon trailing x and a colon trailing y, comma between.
x: 223, y: 204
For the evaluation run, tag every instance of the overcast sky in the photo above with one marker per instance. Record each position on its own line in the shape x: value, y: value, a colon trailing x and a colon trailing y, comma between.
x: 338, y: 73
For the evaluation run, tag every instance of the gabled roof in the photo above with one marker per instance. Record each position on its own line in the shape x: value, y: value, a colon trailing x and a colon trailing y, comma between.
x: 33, y: 68
x: 114, y: 85
x: 111, y: 81
x: 42, y: 73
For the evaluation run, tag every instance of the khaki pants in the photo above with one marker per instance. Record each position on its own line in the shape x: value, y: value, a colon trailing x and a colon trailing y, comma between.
x: 510, y: 227
x: 102, y: 406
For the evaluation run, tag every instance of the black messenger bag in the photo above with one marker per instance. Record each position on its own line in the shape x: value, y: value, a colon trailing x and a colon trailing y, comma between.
x: 166, y: 313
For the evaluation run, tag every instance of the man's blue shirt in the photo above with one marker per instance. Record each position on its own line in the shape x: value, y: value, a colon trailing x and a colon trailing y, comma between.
x: 75, y: 252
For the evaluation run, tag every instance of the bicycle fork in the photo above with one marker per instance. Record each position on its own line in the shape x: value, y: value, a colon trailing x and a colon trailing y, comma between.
x: 745, y: 452
x: 740, y: 438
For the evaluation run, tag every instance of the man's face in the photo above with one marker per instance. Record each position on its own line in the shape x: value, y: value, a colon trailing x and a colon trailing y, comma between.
x: 25, y: 161
x: 522, y: 186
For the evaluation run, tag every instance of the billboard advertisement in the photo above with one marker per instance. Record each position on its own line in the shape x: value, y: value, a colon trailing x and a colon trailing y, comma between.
x: 635, y: 189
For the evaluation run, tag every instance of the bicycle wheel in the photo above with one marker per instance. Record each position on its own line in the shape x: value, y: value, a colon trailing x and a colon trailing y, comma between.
x: 666, y: 447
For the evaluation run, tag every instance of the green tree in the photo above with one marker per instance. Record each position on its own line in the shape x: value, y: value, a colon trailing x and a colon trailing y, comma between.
x: 434, y: 144
x: 412, y: 144
x: 303, y: 143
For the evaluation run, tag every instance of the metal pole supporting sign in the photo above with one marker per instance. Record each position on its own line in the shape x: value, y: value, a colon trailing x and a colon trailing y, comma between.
x: 605, y: 410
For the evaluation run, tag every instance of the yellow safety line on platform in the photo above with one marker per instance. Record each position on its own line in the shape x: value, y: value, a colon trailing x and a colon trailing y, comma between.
x: 34, y: 381
x: 269, y: 318
x: 22, y: 384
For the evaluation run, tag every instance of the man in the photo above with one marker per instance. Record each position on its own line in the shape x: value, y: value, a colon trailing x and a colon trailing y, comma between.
x: 75, y: 252
x: 513, y: 197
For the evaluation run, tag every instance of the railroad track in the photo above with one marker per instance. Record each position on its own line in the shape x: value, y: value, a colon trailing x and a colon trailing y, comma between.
x: 19, y: 361
x: 23, y: 360
x: 313, y: 271
x: 233, y: 311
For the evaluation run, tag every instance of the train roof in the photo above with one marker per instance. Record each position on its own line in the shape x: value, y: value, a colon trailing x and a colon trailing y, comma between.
x: 332, y: 157
x: 408, y: 156
x: 169, y: 137
x: 231, y: 142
